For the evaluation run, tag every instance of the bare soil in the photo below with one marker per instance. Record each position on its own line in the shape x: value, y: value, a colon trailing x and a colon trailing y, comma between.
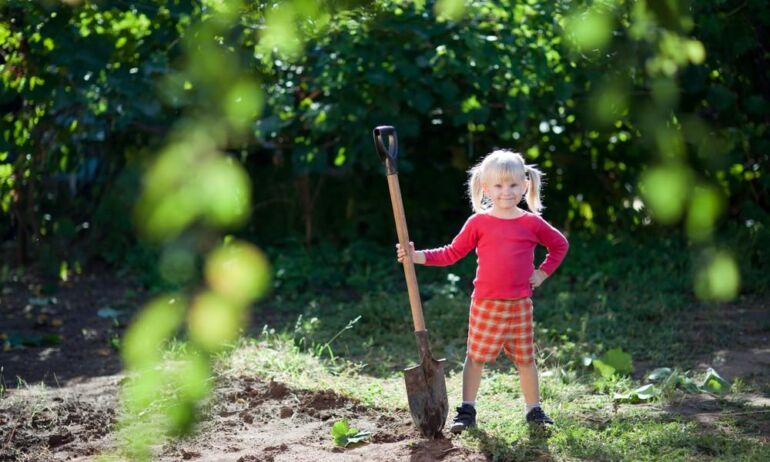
x: 255, y: 420
x: 250, y: 420
x: 58, y: 401
x: 64, y: 338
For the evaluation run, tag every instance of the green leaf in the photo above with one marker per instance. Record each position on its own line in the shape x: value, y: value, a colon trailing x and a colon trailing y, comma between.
x: 643, y: 393
x: 719, y: 279
x: 109, y: 312
x: 665, y: 190
x: 340, y: 428
x: 705, y: 207
x: 714, y: 383
x: 358, y: 437
x: 589, y: 29
x: 344, y: 435
x: 659, y: 374
x: 15, y: 340
x: 450, y: 9
x: 646, y: 392
x: 689, y: 385
x: 615, y: 361
x: 604, y: 369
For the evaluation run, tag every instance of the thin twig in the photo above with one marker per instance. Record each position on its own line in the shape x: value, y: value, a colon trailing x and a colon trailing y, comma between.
x: 736, y: 9
x: 447, y: 451
x: 10, y: 437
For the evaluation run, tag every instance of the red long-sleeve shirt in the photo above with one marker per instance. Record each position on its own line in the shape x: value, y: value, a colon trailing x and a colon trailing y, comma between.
x: 506, y: 253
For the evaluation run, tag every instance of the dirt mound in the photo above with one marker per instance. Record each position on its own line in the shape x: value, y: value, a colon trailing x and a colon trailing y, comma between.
x: 256, y: 420
x: 52, y: 429
x: 247, y: 420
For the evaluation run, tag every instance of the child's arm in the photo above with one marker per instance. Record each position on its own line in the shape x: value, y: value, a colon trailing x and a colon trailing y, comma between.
x: 537, y: 278
x: 557, y: 246
x: 461, y: 245
x: 418, y: 256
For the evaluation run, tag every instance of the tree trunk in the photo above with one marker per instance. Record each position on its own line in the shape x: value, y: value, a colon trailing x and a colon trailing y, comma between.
x: 305, y: 199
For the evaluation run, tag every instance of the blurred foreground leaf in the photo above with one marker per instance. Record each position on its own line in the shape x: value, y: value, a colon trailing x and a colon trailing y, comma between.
x: 718, y: 279
x: 589, y: 29
x: 156, y: 323
x: 665, y: 190
x: 238, y: 271
x: 450, y: 9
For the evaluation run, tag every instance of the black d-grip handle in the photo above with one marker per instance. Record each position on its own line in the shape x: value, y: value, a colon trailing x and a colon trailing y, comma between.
x: 388, y: 155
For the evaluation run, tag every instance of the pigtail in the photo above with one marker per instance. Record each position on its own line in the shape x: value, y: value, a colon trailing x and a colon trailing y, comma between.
x: 533, y: 194
x: 475, y: 190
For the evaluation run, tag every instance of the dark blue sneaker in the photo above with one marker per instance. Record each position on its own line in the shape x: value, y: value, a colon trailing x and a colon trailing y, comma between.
x: 465, y: 418
x: 537, y: 416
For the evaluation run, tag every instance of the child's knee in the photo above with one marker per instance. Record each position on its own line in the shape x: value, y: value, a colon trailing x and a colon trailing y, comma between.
x: 474, y: 363
x: 525, y: 363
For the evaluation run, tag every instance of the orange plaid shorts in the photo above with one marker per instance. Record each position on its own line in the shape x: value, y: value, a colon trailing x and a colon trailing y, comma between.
x: 501, y: 324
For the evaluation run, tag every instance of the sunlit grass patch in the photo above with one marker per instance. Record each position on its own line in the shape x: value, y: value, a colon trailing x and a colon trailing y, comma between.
x: 592, y: 426
x: 278, y: 359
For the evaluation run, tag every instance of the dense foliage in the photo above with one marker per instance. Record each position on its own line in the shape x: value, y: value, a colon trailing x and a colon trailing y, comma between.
x: 89, y: 92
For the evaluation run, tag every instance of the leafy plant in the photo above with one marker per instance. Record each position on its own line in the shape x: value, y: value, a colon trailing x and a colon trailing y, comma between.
x: 613, y: 362
x: 714, y: 383
x: 665, y: 378
x: 643, y: 393
x: 345, y: 435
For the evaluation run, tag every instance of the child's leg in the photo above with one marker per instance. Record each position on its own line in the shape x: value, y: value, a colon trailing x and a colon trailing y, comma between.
x: 530, y: 387
x: 471, y: 379
x: 466, y: 412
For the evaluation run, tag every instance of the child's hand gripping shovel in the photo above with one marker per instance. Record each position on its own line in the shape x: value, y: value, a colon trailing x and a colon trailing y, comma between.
x: 425, y: 383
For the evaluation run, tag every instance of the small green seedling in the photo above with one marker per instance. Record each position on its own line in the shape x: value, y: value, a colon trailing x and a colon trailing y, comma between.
x: 345, y: 435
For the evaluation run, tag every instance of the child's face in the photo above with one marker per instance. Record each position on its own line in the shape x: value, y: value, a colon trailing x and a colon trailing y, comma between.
x: 506, y: 192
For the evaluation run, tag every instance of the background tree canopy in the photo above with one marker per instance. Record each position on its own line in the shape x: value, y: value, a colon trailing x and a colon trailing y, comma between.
x: 635, y: 109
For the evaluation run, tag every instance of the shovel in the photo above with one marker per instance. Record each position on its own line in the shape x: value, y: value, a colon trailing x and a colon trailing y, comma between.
x: 425, y: 383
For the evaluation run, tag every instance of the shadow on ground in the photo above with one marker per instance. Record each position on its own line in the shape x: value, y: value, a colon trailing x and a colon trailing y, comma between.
x: 55, y: 339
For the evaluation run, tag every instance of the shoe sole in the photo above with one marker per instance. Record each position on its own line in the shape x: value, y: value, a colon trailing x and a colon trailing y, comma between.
x: 459, y: 429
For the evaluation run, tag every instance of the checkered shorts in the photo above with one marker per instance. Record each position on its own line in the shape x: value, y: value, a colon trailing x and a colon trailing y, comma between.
x: 501, y: 324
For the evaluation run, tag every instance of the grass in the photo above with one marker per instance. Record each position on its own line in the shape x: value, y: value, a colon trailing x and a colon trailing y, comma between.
x: 610, y: 293
x: 626, y: 292
x: 591, y: 426
x: 342, y: 322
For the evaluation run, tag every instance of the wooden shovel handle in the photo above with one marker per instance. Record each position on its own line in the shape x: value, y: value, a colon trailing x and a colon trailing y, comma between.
x: 403, y: 239
x: 389, y: 156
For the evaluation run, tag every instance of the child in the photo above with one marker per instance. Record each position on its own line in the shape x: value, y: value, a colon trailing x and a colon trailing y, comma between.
x: 505, y: 238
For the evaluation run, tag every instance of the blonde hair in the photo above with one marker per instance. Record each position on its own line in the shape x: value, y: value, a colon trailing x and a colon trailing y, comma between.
x: 503, y: 164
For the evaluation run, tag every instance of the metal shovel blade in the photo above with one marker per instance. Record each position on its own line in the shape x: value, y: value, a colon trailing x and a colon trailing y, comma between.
x: 426, y: 390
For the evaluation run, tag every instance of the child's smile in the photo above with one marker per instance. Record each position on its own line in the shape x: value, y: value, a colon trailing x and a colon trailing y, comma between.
x: 507, y: 194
